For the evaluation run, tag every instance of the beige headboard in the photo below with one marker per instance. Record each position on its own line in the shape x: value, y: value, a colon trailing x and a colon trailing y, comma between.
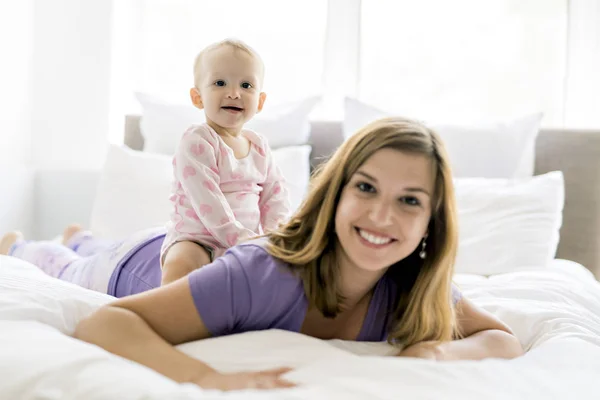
x: 574, y: 152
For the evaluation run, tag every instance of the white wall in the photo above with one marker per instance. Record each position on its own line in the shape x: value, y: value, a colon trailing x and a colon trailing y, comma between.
x: 17, y: 199
x: 54, y: 99
x: 16, y: 37
x: 71, y: 80
x: 16, y: 176
x: 55, y: 79
x: 63, y: 196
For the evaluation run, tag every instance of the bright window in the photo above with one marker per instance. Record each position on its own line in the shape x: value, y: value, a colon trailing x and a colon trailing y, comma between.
x: 436, y: 60
x: 464, y: 60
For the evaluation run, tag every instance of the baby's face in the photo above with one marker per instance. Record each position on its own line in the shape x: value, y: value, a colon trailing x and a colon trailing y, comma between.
x: 230, y: 87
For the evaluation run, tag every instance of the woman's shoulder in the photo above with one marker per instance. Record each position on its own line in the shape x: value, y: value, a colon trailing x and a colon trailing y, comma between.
x: 253, y: 248
x: 268, y: 280
x: 254, y: 258
x: 246, y: 265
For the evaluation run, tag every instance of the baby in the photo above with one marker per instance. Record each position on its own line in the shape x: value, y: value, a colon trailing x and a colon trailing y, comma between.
x: 226, y: 186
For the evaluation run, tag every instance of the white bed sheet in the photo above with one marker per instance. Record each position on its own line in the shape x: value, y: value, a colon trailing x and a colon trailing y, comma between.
x: 555, y: 313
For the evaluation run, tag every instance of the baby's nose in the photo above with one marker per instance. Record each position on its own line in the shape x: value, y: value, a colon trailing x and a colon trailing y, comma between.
x: 234, y: 94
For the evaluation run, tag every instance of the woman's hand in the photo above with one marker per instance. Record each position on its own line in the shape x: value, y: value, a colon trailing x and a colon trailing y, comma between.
x: 426, y: 350
x: 269, y: 379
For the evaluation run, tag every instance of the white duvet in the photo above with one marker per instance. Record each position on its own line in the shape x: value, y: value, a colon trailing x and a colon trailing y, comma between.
x: 554, y: 312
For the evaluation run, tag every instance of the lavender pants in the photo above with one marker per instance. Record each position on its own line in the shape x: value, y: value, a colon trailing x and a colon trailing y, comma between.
x: 84, y: 260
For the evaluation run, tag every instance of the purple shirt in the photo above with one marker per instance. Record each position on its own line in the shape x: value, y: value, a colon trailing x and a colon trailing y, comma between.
x: 247, y: 289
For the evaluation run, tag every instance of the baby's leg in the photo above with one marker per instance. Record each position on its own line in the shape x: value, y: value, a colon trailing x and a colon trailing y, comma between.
x: 182, y: 258
x: 96, y: 271
x: 92, y: 272
x: 84, y: 243
x: 50, y: 257
x: 8, y: 240
x: 60, y: 262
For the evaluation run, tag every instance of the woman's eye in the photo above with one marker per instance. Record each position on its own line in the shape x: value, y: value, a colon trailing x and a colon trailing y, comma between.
x: 411, y: 201
x: 246, y: 85
x: 365, y: 187
x: 220, y: 83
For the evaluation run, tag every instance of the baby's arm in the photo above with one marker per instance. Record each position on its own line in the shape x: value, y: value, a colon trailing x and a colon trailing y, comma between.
x: 195, y: 168
x: 274, y: 199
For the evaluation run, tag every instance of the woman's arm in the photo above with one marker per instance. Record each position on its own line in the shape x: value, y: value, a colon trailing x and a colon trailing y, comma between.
x: 484, y: 336
x: 145, y: 327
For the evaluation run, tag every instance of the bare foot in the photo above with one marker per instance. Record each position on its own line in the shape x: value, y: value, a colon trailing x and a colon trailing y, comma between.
x: 8, y: 240
x: 69, y: 232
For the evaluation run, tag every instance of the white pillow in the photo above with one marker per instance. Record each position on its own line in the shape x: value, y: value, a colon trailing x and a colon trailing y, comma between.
x: 162, y: 123
x: 133, y: 193
x: 294, y: 163
x: 508, y: 225
x: 505, y: 225
x: 134, y: 188
x: 502, y: 150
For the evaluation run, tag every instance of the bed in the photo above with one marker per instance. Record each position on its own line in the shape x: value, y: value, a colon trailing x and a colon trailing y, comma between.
x: 554, y: 311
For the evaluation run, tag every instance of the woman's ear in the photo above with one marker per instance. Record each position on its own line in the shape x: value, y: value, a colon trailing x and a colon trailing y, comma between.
x: 196, y: 98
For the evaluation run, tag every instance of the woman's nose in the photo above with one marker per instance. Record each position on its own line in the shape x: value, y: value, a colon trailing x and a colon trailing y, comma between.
x: 381, y: 214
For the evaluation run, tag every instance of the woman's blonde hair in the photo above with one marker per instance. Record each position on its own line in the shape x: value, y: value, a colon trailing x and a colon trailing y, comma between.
x: 307, y: 241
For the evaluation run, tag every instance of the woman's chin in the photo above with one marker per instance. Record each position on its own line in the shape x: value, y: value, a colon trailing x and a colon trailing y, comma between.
x: 370, y: 263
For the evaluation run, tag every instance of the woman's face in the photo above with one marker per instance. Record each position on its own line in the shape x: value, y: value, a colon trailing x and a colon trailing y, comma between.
x: 385, y: 208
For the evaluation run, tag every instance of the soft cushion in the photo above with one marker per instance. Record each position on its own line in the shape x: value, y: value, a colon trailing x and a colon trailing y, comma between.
x: 134, y: 188
x: 507, y: 225
x: 162, y: 123
x: 493, y: 150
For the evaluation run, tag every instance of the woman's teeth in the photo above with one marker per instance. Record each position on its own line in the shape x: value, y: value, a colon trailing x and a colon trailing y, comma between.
x: 369, y: 237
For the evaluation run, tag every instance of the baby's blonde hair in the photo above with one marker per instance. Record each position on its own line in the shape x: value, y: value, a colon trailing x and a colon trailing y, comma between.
x: 232, y: 43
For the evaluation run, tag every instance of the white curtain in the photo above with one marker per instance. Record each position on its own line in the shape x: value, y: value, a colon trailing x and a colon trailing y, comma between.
x: 582, y: 88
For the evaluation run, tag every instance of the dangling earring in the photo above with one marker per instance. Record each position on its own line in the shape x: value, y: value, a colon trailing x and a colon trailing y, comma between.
x: 423, y: 253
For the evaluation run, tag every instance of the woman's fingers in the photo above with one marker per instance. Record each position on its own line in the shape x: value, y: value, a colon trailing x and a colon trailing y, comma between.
x: 271, y: 379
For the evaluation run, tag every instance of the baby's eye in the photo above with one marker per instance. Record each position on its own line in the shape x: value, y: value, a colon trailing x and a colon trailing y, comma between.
x: 246, y: 85
x: 220, y: 82
x: 365, y: 187
x: 411, y: 201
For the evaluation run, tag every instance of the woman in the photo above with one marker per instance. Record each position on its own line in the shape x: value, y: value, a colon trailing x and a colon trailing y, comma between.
x: 368, y: 256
